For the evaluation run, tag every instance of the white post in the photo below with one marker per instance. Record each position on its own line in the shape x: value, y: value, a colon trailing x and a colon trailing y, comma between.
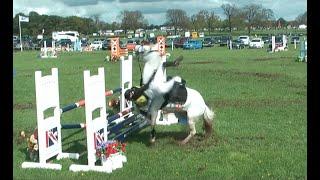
x: 172, y: 45
x: 20, y: 34
x: 284, y: 40
x: 126, y: 80
x: 295, y: 44
x: 45, y: 48
x: 273, y: 43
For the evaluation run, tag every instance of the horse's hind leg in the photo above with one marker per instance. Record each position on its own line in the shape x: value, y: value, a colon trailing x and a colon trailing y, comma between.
x: 207, y: 125
x: 153, y: 117
x: 208, y: 117
x: 192, y: 126
x: 153, y: 114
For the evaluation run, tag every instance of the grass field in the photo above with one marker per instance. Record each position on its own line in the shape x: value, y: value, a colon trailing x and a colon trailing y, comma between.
x: 260, y: 101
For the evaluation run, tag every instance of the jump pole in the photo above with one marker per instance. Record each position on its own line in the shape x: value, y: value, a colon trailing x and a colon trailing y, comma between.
x: 81, y: 103
x: 109, y: 120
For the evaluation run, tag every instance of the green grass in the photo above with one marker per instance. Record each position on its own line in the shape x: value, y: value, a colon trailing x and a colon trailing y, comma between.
x: 260, y: 101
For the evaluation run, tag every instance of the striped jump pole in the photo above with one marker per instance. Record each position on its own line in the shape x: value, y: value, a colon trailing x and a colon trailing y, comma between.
x: 138, y: 126
x: 82, y: 102
x: 117, y: 127
x: 109, y: 119
x: 120, y: 114
x: 73, y: 126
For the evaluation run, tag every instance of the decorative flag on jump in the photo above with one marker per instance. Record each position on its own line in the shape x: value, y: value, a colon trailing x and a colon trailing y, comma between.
x: 51, y: 137
x: 23, y: 19
x: 99, y: 138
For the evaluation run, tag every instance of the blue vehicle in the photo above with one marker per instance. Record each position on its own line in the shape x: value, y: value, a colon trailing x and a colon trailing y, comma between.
x: 193, y: 44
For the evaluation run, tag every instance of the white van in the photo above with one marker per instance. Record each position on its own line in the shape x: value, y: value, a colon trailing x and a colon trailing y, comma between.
x: 96, y: 45
x: 72, y: 35
x: 245, y: 39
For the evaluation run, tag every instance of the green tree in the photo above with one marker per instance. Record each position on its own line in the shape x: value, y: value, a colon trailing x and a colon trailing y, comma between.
x: 132, y: 20
x: 252, y: 13
x: 230, y: 11
x: 177, y: 18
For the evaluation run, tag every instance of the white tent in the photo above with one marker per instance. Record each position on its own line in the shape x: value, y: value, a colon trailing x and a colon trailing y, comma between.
x: 302, y: 26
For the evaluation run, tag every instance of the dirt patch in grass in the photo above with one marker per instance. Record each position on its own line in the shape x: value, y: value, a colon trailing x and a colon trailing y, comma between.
x: 199, y: 142
x: 252, y: 74
x: 23, y: 106
x: 272, y: 58
x: 261, y: 75
x: 251, y: 138
x: 206, y: 62
x: 253, y: 103
x: 24, y: 75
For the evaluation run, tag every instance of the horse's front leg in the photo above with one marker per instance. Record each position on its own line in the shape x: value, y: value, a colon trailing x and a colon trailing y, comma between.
x: 192, y: 126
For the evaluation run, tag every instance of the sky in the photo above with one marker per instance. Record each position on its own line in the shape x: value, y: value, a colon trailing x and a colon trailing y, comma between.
x: 153, y: 10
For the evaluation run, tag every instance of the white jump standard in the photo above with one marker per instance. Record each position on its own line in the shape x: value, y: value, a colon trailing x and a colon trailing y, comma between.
x: 49, y: 129
x: 96, y: 128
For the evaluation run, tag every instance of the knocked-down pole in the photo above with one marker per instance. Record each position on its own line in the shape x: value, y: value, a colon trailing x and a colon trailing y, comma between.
x: 138, y: 126
x: 82, y: 102
x: 109, y: 120
x: 134, y: 123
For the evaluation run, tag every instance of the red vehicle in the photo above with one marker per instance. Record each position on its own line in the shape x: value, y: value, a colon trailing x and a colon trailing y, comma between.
x: 178, y: 43
x: 131, y: 44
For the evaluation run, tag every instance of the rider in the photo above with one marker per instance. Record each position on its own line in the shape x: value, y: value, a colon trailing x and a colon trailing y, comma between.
x: 138, y: 94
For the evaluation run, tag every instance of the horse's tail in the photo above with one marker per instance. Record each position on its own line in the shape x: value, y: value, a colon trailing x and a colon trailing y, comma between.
x: 208, y: 120
x: 208, y: 114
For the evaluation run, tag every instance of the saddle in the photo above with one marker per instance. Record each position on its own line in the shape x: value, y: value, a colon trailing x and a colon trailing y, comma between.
x: 177, y: 95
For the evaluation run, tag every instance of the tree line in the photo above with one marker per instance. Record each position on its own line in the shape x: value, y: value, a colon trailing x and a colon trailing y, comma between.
x: 239, y: 18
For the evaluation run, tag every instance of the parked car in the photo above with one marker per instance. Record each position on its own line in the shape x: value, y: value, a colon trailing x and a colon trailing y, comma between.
x: 237, y: 44
x: 178, y: 42
x: 216, y: 39
x: 15, y: 42
x: 26, y: 45
x: 152, y: 40
x: 106, y: 44
x: 266, y: 39
x: 278, y: 41
x: 64, y: 42
x: 96, y: 45
x: 256, y: 43
x: 207, y: 42
x: 131, y: 44
x: 297, y: 38
x: 122, y: 44
x: 224, y: 40
x: 84, y: 43
x: 245, y: 39
x: 48, y: 42
x: 192, y: 44
x: 169, y: 42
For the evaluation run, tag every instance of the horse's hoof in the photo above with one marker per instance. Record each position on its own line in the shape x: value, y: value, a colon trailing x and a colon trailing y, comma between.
x: 181, y: 143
